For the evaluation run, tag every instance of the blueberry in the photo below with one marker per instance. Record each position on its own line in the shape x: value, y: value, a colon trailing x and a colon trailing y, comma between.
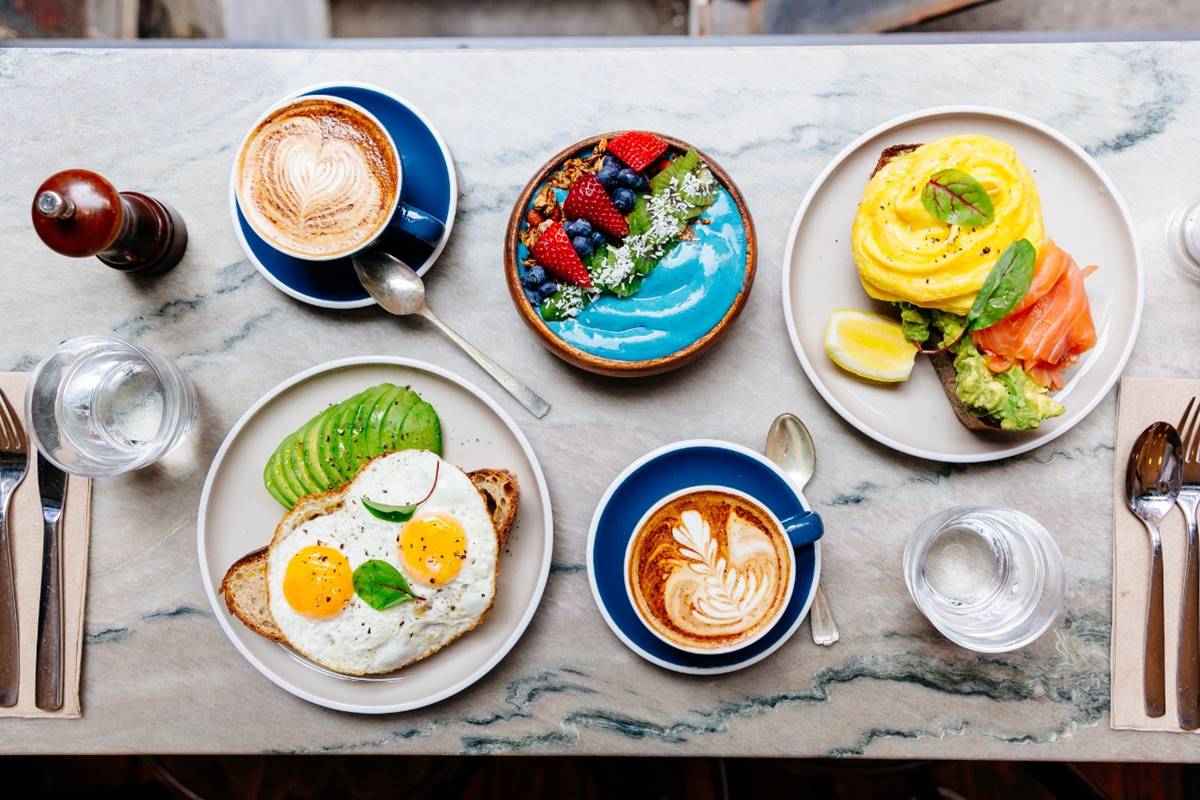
x: 608, y: 173
x: 534, y: 277
x: 634, y: 180
x: 547, y: 289
x: 598, y: 240
x: 583, y: 246
x: 578, y: 227
x: 624, y: 199
x: 533, y: 297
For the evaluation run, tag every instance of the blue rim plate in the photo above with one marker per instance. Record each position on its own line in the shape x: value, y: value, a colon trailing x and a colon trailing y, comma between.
x: 429, y: 184
x: 646, y: 481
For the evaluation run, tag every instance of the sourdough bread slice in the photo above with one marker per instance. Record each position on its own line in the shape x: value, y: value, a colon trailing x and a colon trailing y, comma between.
x: 244, y: 586
x: 943, y: 363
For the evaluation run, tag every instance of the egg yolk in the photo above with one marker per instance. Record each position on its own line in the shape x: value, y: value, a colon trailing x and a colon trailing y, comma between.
x: 318, y: 582
x: 433, y: 549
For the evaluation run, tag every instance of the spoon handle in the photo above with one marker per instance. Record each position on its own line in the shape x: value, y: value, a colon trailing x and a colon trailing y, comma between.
x: 533, y: 402
x: 1154, y: 681
x: 824, y: 629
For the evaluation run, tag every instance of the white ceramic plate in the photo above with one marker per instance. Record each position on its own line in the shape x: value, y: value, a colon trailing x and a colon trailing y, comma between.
x: 1083, y: 213
x: 237, y: 516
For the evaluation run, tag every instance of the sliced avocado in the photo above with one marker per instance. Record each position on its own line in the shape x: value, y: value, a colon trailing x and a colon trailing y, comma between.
x: 372, y: 397
x: 279, y: 481
x: 328, y: 450
x: 422, y: 430
x: 392, y: 419
x: 295, y: 462
x: 312, y: 454
x: 342, y: 434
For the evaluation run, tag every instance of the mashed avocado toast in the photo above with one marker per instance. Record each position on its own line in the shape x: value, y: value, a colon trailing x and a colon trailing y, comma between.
x: 951, y: 234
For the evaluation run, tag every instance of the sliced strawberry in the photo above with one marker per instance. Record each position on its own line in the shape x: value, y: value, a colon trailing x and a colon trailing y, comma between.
x: 554, y: 251
x: 638, y: 149
x: 589, y: 199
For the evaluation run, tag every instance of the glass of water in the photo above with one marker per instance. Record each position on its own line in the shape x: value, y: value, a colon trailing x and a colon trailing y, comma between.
x: 99, y: 406
x: 989, y: 578
x: 1183, y: 238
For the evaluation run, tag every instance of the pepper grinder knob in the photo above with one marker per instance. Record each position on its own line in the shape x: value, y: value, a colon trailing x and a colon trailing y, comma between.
x: 78, y: 213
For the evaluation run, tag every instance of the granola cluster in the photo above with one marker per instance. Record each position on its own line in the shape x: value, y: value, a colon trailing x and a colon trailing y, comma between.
x: 545, y: 205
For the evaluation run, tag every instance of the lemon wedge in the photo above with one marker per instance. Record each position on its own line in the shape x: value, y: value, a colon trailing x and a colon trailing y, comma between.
x: 869, y: 345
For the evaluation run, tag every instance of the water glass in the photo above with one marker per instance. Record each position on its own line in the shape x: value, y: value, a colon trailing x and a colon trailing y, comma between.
x: 99, y: 406
x: 989, y: 578
x: 1183, y: 238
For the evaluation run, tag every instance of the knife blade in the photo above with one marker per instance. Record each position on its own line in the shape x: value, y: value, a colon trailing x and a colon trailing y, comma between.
x: 48, y: 687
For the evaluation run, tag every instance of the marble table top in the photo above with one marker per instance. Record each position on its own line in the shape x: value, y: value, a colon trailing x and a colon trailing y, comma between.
x: 160, y: 676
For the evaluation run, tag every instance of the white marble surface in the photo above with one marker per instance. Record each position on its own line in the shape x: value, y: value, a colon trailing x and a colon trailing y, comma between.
x: 160, y: 676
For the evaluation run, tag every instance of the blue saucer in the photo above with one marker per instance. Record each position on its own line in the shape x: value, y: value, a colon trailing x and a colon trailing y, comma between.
x: 637, y: 489
x: 429, y: 184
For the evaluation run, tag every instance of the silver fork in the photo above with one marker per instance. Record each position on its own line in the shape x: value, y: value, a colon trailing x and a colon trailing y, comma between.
x: 14, y: 463
x: 1187, y: 680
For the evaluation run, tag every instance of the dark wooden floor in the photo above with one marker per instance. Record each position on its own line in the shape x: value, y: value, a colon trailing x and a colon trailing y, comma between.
x: 418, y: 778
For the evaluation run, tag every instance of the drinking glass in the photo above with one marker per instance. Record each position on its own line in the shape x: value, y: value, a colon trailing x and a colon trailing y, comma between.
x: 99, y: 406
x: 989, y: 578
x: 1183, y: 238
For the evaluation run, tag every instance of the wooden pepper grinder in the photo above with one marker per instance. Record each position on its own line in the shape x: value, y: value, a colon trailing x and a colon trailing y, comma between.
x: 78, y: 213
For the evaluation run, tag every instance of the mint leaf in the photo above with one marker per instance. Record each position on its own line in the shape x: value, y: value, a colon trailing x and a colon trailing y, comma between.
x: 956, y: 198
x: 381, y: 585
x: 1006, y: 284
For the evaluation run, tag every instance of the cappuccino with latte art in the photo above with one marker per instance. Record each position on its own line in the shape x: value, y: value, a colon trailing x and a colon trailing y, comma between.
x: 709, y: 570
x: 318, y: 178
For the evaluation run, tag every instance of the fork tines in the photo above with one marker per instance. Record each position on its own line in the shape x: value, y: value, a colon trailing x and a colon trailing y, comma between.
x: 12, y: 432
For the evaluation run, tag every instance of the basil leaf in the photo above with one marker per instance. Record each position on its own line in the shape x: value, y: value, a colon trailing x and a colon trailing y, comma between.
x: 389, y: 513
x: 956, y: 198
x: 381, y: 585
x: 1006, y: 284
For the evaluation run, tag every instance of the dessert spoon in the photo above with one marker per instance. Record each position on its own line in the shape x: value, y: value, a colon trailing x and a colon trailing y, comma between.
x: 790, y: 445
x: 1152, y: 480
x: 399, y: 290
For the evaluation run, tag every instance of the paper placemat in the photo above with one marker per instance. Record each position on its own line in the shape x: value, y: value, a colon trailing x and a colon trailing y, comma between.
x: 25, y: 535
x: 1140, y: 402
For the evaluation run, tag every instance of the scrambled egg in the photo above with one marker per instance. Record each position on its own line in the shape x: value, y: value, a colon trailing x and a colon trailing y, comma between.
x: 904, y: 253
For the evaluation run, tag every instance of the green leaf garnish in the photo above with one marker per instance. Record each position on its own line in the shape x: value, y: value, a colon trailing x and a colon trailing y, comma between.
x: 381, y: 585
x: 956, y: 198
x: 389, y: 513
x: 1006, y: 284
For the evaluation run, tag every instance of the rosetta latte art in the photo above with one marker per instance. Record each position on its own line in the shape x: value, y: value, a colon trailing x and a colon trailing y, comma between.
x: 319, y: 179
x: 709, y: 570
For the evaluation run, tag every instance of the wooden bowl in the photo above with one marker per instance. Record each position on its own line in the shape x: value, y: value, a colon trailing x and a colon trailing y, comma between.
x: 611, y: 366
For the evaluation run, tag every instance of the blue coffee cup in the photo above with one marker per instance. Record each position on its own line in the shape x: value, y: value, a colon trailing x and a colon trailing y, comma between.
x: 403, y: 217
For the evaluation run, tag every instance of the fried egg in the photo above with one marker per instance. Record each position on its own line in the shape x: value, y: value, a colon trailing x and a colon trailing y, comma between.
x: 447, y: 553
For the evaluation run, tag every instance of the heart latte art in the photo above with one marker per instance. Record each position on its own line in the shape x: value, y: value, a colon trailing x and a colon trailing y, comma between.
x: 709, y: 570
x: 318, y: 179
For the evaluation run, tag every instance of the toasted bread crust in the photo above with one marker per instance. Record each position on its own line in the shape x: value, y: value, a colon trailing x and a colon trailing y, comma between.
x: 943, y: 363
x: 244, y: 586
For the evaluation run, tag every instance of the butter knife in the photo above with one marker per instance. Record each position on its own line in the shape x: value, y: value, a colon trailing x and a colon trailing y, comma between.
x: 48, y: 688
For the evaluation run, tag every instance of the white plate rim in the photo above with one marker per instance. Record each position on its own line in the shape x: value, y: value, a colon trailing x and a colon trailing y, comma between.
x: 591, y: 569
x: 928, y: 113
x: 450, y: 212
x: 218, y: 606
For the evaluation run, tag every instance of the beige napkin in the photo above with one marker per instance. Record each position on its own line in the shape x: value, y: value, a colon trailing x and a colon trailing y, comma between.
x: 1140, y: 402
x: 25, y: 534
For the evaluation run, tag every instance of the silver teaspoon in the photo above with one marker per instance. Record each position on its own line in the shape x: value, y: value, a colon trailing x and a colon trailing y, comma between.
x: 790, y: 445
x: 399, y: 290
x: 1152, y: 480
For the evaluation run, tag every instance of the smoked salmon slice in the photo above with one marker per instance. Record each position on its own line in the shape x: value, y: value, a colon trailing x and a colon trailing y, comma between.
x: 1048, y: 333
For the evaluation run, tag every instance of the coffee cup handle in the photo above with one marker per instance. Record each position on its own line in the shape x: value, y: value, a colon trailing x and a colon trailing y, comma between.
x: 418, y: 224
x: 803, y: 528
